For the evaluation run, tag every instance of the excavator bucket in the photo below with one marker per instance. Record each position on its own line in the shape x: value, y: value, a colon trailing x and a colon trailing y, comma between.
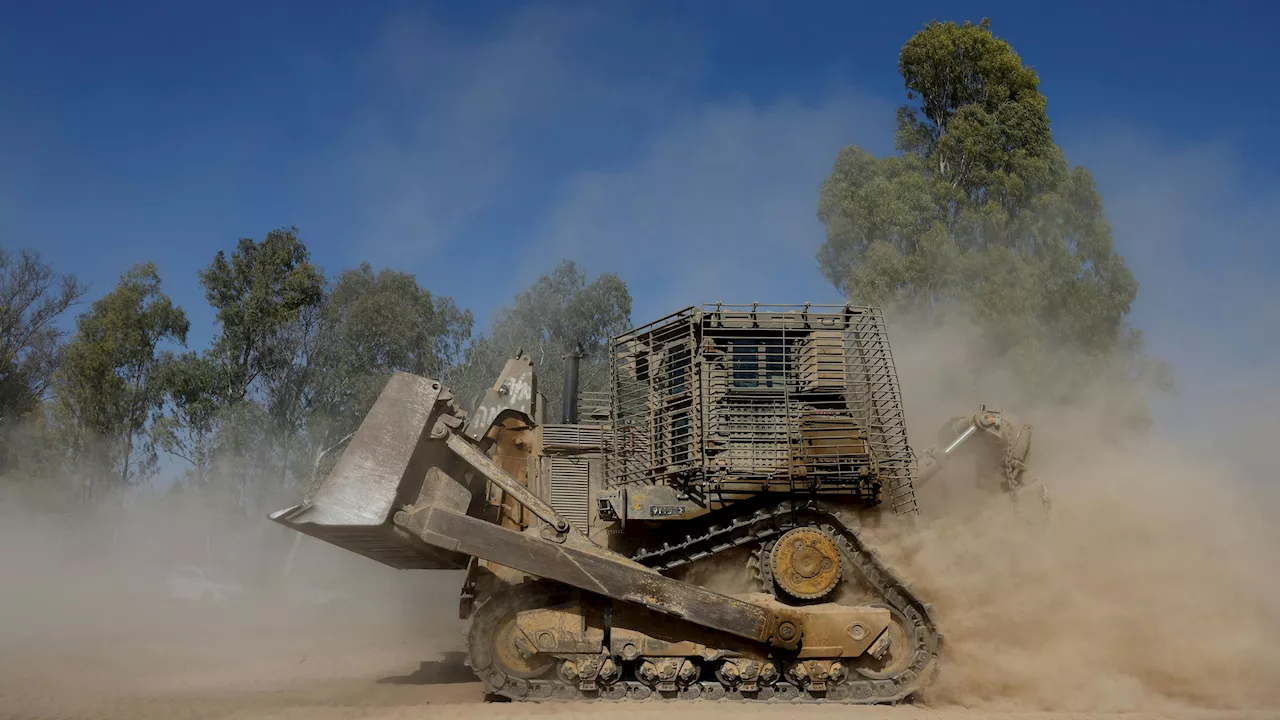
x: 381, y: 470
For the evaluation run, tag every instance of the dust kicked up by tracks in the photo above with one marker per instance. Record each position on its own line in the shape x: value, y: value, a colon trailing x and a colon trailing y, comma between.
x: 1147, y: 587
x: 1152, y: 583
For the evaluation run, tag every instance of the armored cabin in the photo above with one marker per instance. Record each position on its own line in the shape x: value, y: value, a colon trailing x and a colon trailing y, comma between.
x: 713, y: 405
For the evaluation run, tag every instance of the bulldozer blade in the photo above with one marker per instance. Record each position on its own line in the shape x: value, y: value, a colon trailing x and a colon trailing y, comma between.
x: 382, y: 469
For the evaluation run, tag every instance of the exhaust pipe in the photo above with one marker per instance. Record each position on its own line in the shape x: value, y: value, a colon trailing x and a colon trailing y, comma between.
x: 569, y: 398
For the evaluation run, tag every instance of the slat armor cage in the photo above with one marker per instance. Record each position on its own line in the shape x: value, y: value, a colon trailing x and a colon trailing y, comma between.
x: 734, y: 400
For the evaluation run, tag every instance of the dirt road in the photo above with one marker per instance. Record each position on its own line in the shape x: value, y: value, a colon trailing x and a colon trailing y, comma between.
x: 328, y: 670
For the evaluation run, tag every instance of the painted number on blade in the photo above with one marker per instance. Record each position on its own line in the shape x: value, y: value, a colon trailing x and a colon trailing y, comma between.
x: 665, y: 510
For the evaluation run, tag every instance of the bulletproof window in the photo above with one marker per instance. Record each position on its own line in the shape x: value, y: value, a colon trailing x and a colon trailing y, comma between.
x: 758, y: 362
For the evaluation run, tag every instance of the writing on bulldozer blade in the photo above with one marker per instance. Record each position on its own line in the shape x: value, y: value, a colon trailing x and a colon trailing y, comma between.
x: 748, y: 436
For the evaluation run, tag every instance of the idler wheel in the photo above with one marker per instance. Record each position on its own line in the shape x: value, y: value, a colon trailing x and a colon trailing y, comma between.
x: 805, y: 563
x: 496, y: 643
x: 514, y: 654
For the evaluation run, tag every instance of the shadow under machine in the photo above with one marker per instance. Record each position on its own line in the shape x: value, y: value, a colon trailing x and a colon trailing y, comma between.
x: 737, y: 446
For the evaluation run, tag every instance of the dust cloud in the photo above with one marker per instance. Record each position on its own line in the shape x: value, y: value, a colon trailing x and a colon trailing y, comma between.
x: 92, y: 614
x: 1151, y: 582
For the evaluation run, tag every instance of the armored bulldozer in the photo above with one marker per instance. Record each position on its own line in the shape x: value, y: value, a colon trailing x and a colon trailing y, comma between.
x: 753, y: 439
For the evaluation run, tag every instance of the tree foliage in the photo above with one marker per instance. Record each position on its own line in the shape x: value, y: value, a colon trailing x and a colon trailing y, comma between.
x: 32, y: 298
x: 258, y: 291
x: 107, y: 386
x: 232, y: 408
x: 297, y: 362
x: 548, y: 320
x: 978, y: 213
x: 374, y: 324
x: 189, y: 382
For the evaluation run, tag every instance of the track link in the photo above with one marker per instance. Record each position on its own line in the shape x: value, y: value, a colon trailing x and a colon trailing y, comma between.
x: 759, y: 527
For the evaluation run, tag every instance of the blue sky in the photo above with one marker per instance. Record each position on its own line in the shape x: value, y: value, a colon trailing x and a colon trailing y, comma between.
x: 476, y: 146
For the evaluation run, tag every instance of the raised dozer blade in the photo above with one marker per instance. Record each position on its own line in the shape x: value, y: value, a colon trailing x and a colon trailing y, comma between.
x: 381, y: 470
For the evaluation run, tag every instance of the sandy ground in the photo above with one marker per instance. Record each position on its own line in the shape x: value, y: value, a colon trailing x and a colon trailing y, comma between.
x: 319, y: 669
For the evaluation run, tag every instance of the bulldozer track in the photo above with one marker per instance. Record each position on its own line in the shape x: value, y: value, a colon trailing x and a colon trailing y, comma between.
x: 757, y: 528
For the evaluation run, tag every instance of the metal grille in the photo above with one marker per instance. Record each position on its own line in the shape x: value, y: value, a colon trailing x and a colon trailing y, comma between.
x: 593, y: 406
x: 651, y: 399
x: 877, y: 393
x: 760, y: 398
x: 571, y: 489
x: 572, y: 438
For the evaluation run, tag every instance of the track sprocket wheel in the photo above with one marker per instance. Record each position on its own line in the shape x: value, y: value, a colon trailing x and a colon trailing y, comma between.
x: 805, y: 563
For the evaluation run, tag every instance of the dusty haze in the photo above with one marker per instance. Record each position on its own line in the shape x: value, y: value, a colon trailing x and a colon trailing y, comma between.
x: 1152, y: 586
